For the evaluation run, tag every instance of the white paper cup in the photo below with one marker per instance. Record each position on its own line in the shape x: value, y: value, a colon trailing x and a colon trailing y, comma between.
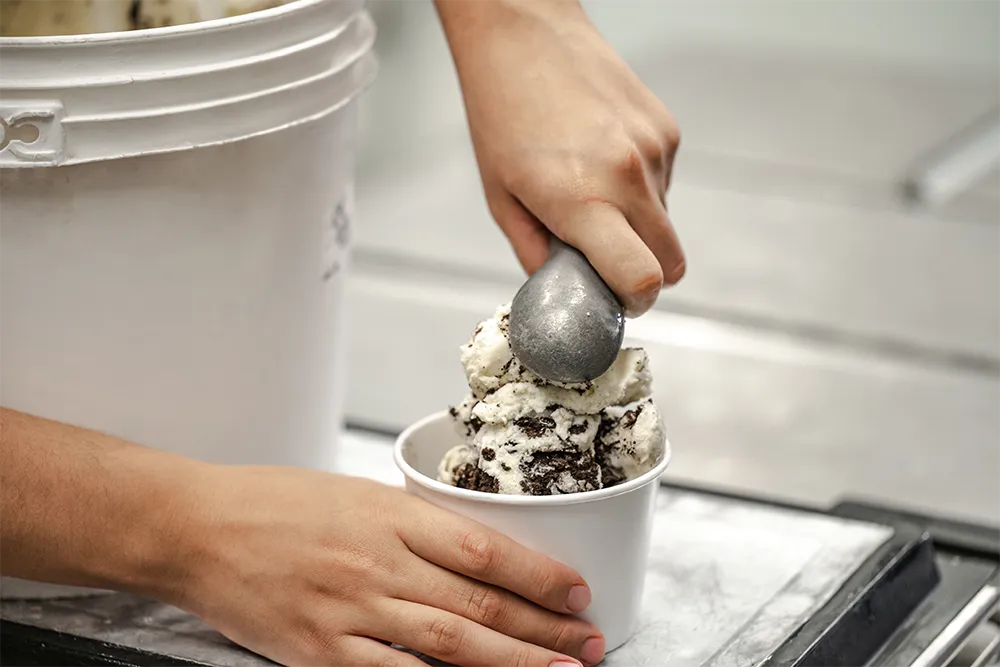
x: 603, y: 534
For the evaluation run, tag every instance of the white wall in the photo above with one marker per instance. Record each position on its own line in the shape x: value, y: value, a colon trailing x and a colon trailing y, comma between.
x: 962, y: 34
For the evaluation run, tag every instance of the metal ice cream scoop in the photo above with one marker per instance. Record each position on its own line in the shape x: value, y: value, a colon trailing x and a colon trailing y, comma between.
x: 565, y: 322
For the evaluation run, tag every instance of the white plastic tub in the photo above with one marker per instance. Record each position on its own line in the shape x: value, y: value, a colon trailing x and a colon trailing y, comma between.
x: 173, y: 228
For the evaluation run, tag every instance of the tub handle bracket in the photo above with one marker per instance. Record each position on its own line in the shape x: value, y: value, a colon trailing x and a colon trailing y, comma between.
x: 31, y: 133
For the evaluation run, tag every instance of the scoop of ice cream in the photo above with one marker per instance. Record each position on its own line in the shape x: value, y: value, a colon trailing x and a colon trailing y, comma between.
x: 459, y: 467
x: 540, y: 454
x: 46, y: 18
x: 525, y: 435
x: 533, y: 455
x: 630, y: 441
x: 487, y: 358
x: 627, y: 381
x: 506, y: 388
x: 467, y: 423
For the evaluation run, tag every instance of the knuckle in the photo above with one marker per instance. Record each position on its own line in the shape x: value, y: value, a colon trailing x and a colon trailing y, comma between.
x: 357, y: 568
x: 528, y: 179
x: 487, y: 607
x: 544, y: 581
x: 523, y: 657
x: 560, y: 634
x: 631, y: 167
x: 323, y: 647
x: 671, y: 136
x: 445, y: 637
x: 517, y: 181
x: 356, y: 577
x: 390, y: 661
x: 651, y: 147
x: 498, y: 210
x: 480, y: 553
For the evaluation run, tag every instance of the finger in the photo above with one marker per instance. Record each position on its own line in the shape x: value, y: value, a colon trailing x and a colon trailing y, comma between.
x: 365, y: 652
x: 526, y: 234
x: 600, y: 231
x: 462, y: 545
x: 641, y: 196
x: 458, y: 640
x: 662, y: 168
x: 504, y: 612
x: 657, y: 157
x: 648, y: 217
x: 657, y: 139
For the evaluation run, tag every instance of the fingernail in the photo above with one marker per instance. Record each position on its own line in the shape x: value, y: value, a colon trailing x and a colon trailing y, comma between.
x: 592, y: 651
x: 578, y: 598
x: 563, y: 662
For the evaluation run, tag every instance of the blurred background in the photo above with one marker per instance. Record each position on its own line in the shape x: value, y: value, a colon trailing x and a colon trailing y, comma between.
x: 838, y: 331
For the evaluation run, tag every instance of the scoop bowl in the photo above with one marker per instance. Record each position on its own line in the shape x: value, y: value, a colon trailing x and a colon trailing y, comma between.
x: 566, y: 324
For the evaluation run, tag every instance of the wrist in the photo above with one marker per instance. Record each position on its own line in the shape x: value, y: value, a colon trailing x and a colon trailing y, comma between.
x: 467, y: 24
x: 160, y: 550
x: 84, y: 508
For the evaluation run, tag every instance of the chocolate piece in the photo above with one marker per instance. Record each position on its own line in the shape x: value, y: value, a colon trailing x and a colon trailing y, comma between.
x: 610, y: 475
x: 630, y: 417
x: 535, y: 427
x: 547, y: 473
x: 468, y: 423
x: 468, y: 476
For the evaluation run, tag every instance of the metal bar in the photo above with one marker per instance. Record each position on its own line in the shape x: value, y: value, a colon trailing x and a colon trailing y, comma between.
x: 957, y: 166
x: 944, y: 647
x: 981, y: 649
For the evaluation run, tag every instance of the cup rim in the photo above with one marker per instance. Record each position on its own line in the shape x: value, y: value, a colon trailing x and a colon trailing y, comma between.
x: 423, y: 480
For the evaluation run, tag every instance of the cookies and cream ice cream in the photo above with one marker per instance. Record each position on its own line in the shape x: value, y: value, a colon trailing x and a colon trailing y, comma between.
x: 524, y: 435
x: 45, y: 18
